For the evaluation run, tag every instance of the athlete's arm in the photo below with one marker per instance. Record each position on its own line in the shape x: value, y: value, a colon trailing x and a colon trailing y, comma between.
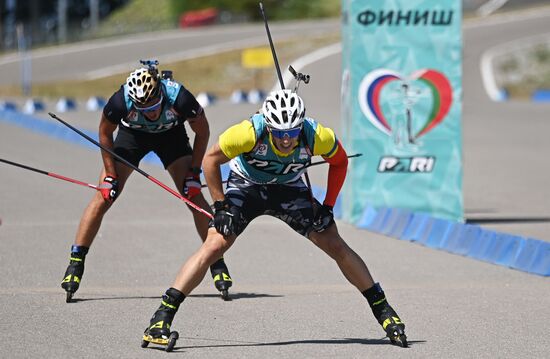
x: 186, y: 105
x: 199, y: 125
x: 211, y: 163
x: 328, y: 146
x: 115, y: 109
x: 338, y: 166
x: 106, y: 130
x: 235, y: 140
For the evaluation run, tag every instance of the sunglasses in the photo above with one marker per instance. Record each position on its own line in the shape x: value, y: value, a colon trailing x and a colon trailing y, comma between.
x: 151, y: 108
x: 282, y: 134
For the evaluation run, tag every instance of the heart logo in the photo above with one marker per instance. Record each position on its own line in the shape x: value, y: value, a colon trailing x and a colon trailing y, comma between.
x: 370, y: 94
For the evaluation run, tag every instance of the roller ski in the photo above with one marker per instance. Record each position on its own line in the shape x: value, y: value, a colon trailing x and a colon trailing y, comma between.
x: 168, y: 341
x: 395, y: 330
x: 158, y: 331
x: 386, y: 316
x: 222, y: 279
x: 74, y: 272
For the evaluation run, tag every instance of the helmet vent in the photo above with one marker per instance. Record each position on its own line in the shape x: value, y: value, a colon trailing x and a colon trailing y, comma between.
x: 285, y: 116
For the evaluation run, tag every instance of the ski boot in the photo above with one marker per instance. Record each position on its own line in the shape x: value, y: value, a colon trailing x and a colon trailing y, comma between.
x: 74, y: 272
x: 386, y: 316
x: 158, y: 331
x: 222, y: 279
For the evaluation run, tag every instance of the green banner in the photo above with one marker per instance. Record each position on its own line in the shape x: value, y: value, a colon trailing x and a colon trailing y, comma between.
x: 401, y: 105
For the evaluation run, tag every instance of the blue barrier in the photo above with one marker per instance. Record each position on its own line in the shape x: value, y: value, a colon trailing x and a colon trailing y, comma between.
x: 438, y: 233
x: 525, y: 257
x: 541, y: 260
x: 461, y: 240
x: 65, y: 104
x: 95, y: 103
x: 423, y: 232
x: 367, y: 217
x: 399, y: 222
x: 504, y: 249
x: 542, y: 95
x: 33, y: 105
x: 379, y: 220
x: 391, y: 217
x: 416, y: 227
x: 256, y: 96
x: 7, y: 105
x: 481, y: 245
x: 238, y: 96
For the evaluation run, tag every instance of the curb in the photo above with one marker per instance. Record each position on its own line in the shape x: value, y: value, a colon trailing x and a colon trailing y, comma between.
x: 525, y: 254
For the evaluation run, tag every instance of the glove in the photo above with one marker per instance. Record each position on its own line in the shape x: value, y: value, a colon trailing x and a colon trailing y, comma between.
x: 110, y: 193
x: 224, y: 220
x: 192, y: 183
x: 323, y: 218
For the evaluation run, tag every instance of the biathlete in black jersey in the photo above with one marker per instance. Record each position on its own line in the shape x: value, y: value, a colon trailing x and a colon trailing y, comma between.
x: 268, y: 154
x: 149, y: 112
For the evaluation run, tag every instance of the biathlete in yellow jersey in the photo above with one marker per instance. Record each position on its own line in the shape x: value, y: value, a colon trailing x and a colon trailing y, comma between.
x: 268, y: 155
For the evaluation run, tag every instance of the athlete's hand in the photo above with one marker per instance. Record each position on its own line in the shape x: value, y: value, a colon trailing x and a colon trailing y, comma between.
x: 192, y: 184
x: 323, y: 218
x: 109, y: 188
x: 224, y: 220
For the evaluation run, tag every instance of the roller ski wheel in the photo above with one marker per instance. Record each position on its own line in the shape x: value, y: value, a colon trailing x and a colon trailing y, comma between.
x: 397, y: 337
x: 223, y: 287
x: 225, y: 295
x: 69, y: 298
x: 395, y: 330
x: 169, y: 342
x: 73, y: 275
x: 222, y: 279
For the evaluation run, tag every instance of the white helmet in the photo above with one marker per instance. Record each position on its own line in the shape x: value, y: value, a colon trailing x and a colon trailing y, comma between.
x: 283, y: 110
x: 142, y: 86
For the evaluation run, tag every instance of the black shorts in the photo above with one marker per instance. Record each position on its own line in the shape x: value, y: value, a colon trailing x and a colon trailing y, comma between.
x: 170, y: 145
x: 289, y: 202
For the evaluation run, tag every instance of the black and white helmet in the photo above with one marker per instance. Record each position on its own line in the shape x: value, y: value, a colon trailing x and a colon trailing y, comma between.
x: 142, y: 86
x: 283, y: 110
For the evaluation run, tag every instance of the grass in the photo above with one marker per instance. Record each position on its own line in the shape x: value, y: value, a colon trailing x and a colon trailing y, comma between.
x: 218, y: 74
x: 522, y: 73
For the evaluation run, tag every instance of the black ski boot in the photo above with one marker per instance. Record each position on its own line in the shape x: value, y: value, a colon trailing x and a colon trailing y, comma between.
x: 74, y: 272
x: 386, y: 316
x: 222, y: 279
x: 158, y: 331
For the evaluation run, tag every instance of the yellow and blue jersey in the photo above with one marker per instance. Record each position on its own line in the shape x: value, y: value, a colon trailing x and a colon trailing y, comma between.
x: 255, y: 157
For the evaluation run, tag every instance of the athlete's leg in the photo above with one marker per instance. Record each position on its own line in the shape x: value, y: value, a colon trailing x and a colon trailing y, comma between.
x: 356, y: 271
x: 96, y: 209
x: 178, y: 169
x: 189, y: 277
x: 349, y: 262
x: 87, y: 230
x: 194, y: 269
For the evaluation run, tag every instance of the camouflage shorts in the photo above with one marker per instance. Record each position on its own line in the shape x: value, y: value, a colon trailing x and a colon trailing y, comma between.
x: 289, y: 202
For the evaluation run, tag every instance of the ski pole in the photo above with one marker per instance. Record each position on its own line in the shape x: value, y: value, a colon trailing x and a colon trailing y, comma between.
x: 277, y: 67
x: 272, y: 47
x: 321, y: 162
x: 311, y: 164
x: 55, y: 175
x: 135, y: 168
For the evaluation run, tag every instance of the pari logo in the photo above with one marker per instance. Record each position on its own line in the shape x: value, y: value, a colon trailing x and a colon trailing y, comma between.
x: 405, y: 100
x: 417, y: 164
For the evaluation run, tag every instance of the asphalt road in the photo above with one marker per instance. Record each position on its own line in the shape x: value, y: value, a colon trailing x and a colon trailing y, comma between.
x: 290, y: 301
